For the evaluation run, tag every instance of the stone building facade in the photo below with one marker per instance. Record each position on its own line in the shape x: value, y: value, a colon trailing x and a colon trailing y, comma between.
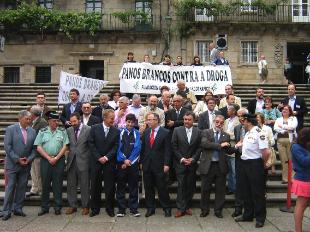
x: 35, y: 58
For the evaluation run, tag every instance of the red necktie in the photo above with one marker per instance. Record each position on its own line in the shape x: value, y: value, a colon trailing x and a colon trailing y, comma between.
x: 152, y: 138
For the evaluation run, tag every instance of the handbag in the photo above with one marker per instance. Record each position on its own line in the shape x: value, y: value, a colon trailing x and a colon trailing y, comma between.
x: 271, y: 158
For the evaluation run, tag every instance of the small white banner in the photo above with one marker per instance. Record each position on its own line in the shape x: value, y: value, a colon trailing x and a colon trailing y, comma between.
x: 148, y: 78
x: 87, y: 87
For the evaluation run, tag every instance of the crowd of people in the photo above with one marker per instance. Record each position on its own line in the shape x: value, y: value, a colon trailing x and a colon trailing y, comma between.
x: 173, y: 138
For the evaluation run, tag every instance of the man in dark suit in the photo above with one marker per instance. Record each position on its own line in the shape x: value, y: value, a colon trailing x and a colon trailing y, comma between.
x: 174, y: 116
x: 38, y: 122
x: 78, y: 164
x: 103, y: 143
x: 186, y: 146
x: 213, y: 166
x: 257, y: 104
x: 155, y: 158
x: 20, y: 152
x: 206, y: 119
x: 74, y: 106
x: 297, y: 104
x: 87, y: 118
x: 230, y: 99
x: 103, y: 105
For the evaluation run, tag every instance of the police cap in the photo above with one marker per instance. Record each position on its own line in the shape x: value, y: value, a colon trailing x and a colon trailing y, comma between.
x: 52, y: 115
x: 251, y: 118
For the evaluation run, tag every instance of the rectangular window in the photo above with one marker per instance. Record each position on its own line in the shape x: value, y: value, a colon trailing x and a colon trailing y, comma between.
x: 203, y: 15
x: 248, y: 6
x: 43, y: 75
x: 48, y: 4
x: 202, y: 50
x: 11, y: 74
x: 249, y: 52
x: 93, y: 6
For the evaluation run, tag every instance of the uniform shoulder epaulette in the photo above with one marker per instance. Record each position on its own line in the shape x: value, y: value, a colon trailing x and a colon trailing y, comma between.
x: 258, y: 129
x: 44, y: 129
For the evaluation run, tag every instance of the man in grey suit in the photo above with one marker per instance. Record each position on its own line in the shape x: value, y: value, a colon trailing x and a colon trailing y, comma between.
x: 186, y: 147
x: 38, y: 122
x: 20, y: 152
x: 78, y: 164
x: 213, y: 166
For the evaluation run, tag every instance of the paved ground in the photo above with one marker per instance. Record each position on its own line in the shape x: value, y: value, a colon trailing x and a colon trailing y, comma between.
x: 276, y: 221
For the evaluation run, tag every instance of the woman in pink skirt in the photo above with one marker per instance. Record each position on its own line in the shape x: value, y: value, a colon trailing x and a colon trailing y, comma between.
x: 301, y: 182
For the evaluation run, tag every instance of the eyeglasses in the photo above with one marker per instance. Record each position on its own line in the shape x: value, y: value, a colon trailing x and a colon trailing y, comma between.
x: 219, y: 122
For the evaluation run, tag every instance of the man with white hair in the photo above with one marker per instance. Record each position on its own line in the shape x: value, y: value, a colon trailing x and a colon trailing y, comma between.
x: 121, y: 112
x: 151, y: 107
x: 189, y: 94
x: 38, y: 122
x: 103, y: 105
x: 136, y: 106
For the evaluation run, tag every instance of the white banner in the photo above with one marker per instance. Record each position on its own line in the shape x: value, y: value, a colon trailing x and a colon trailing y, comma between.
x: 87, y: 87
x: 148, y: 78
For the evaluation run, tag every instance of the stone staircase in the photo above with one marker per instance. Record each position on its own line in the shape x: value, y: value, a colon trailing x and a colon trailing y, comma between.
x: 14, y: 98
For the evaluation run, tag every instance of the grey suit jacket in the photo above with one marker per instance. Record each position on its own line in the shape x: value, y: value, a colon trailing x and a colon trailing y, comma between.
x: 203, y: 120
x: 15, y: 147
x: 183, y: 149
x: 79, y: 149
x: 208, y: 145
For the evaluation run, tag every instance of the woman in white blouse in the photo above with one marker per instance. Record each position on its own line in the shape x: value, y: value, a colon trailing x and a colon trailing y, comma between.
x: 115, y: 96
x: 202, y: 105
x: 285, y: 128
x: 269, y: 134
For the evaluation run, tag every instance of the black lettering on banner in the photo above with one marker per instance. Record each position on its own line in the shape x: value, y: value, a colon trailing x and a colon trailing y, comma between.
x: 124, y: 73
x: 143, y: 74
x: 202, y: 78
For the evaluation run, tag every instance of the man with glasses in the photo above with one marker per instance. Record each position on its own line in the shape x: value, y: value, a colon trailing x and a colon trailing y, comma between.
x: 87, y: 118
x: 213, y: 166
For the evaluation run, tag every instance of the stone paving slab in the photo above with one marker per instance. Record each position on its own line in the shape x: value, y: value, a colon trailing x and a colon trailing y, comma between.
x: 276, y: 221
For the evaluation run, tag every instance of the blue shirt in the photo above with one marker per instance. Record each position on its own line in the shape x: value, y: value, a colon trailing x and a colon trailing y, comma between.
x: 301, y: 162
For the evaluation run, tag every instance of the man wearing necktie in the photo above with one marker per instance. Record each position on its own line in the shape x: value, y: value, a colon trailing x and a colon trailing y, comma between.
x: 213, y: 166
x: 103, y: 143
x: 155, y: 158
x: 297, y: 104
x: 186, y: 147
x: 20, y: 152
x: 78, y: 164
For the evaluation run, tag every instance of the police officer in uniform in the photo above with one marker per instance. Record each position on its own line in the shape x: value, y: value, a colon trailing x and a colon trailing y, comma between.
x: 51, y: 144
x: 254, y: 156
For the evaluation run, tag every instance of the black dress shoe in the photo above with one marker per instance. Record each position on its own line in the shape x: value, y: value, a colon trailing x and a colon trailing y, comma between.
x: 93, y: 214
x: 242, y: 219
x: 42, y: 212
x: 149, y: 213
x: 204, y: 214
x: 21, y: 214
x: 259, y: 224
x: 57, y: 212
x: 6, y: 217
x: 167, y: 212
x: 236, y: 214
x: 218, y: 214
x: 110, y: 213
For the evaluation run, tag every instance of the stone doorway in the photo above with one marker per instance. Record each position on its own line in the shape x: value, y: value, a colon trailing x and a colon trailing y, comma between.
x: 92, y: 69
x: 297, y: 54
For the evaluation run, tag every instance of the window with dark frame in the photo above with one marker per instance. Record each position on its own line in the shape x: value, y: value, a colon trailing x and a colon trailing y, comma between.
x: 93, y: 6
x: 11, y: 74
x: 249, y: 52
x: 43, y: 74
x: 48, y: 4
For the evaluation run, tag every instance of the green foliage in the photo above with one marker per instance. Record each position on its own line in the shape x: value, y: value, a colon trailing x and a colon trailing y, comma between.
x: 35, y: 19
x: 126, y: 16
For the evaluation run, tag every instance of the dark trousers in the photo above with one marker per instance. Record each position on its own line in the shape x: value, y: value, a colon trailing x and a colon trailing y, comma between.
x: 156, y: 178
x: 98, y: 173
x: 219, y: 179
x: 186, y: 178
x: 52, y: 177
x: 252, y: 179
x: 130, y: 176
x: 238, y: 200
